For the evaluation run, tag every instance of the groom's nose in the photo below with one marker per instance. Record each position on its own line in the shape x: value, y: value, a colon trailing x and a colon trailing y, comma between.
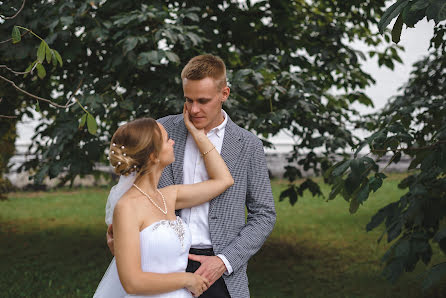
x: 194, y: 109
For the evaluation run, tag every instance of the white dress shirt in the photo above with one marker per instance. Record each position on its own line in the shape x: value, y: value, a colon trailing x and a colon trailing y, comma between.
x: 194, y: 171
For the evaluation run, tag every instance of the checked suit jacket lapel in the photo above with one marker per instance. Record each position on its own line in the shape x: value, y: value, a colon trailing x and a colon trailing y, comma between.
x: 230, y: 150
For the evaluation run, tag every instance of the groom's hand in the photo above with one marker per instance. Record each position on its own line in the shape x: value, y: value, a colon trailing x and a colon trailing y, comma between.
x: 110, y: 242
x: 212, y: 267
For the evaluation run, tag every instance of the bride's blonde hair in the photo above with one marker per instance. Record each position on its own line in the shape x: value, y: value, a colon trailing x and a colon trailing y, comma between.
x: 134, y: 145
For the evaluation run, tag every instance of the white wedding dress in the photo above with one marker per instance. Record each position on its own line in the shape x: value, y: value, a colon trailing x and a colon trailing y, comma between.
x: 164, y: 249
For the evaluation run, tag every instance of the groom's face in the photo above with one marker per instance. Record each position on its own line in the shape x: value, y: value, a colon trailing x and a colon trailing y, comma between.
x: 204, y: 100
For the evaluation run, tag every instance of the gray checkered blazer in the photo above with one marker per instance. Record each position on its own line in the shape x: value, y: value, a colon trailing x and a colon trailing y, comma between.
x: 232, y: 234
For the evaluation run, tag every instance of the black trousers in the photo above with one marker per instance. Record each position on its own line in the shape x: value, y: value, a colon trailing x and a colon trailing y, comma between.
x: 218, y: 288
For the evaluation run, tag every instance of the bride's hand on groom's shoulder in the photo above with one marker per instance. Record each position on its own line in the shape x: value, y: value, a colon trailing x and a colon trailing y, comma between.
x: 189, y: 125
x: 196, y: 284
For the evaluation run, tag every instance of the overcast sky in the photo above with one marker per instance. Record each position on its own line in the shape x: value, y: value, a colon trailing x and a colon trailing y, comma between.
x: 416, y: 43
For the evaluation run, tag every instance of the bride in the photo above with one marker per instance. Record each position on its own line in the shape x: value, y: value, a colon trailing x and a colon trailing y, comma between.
x: 151, y: 244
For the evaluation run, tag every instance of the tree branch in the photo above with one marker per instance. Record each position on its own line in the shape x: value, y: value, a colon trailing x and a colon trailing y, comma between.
x: 21, y: 35
x: 18, y: 72
x: 67, y: 105
x: 432, y: 146
x: 8, y: 117
x: 10, y: 18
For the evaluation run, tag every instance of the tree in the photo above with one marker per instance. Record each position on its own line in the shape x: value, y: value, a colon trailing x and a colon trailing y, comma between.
x: 291, y: 66
x: 414, y: 124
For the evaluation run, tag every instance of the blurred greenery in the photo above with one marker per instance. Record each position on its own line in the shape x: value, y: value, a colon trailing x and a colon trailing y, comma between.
x: 53, y: 245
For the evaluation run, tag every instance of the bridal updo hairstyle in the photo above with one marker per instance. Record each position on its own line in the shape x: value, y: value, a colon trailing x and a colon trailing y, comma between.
x: 132, y: 145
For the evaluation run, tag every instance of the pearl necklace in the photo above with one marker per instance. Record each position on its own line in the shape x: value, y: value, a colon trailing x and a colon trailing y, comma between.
x: 153, y: 202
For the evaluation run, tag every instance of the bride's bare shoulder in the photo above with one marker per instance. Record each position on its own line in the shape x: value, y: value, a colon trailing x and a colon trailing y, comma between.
x: 129, y: 203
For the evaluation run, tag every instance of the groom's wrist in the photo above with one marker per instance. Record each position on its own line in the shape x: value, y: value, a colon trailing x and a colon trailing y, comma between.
x: 227, y: 264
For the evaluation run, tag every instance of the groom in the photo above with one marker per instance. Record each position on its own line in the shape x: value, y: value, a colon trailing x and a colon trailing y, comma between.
x: 223, y: 238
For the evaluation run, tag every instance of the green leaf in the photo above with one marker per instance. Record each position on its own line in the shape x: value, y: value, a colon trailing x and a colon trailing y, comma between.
x: 16, y: 36
x: 290, y: 193
x: 192, y: 16
x: 48, y: 53
x: 381, y: 175
x: 402, y: 249
x: 419, y: 4
x: 83, y: 119
x: 340, y: 169
x: 194, y: 38
x: 172, y: 57
x: 380, y: 216
x: 441, y: 12
x: 129, y: 44
x: 126, y: 104
x: 67, y: 21
x: 41, y: 52
x: 357, y: 167
x: 441, y: 234
x: 41, y: 72
x: 336, y: 189
x: 436, y: 11
x: 363, y: 194
x: 28, y: 69
x: 411, y: 16
x: 151, y: 57
x: 375, y: 183
x: 391, y: 13
x: 396, y: 31
x: 435, y: 275
x: 37, y: 107
x: 58, y: 57
x: 91, y: 124
x: 354, y: 205
x: 53, y: 58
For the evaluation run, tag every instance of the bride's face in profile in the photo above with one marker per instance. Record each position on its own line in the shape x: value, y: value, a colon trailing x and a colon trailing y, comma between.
x: 166, y: 155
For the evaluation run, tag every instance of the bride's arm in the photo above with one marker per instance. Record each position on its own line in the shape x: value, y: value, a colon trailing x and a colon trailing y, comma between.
x: 220, y: 179
x: 128, y: 259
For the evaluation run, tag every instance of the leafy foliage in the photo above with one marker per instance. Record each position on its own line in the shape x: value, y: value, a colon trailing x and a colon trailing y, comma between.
x: 412, y: 124
x: 291, y: 65
x: 410, y: 12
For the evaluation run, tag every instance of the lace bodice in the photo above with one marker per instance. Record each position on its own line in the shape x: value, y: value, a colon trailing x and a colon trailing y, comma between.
x: 165, y: 246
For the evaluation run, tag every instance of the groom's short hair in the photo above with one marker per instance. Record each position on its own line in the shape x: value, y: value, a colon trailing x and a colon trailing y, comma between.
x: 204, y: 66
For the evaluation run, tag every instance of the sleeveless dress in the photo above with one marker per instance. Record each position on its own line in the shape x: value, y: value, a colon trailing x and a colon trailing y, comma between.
x: 164, y: 249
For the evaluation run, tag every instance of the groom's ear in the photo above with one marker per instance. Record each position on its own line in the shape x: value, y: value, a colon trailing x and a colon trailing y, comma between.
x: 225, y: 91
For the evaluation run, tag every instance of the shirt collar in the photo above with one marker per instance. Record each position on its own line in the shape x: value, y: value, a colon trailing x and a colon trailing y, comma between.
x: 219, y: 130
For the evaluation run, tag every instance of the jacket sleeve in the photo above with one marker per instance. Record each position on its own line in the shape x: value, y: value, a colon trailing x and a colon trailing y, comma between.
x: 261, y: 212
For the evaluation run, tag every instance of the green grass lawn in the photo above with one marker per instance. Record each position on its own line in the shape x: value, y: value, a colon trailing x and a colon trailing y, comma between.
x: 53, y: 245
